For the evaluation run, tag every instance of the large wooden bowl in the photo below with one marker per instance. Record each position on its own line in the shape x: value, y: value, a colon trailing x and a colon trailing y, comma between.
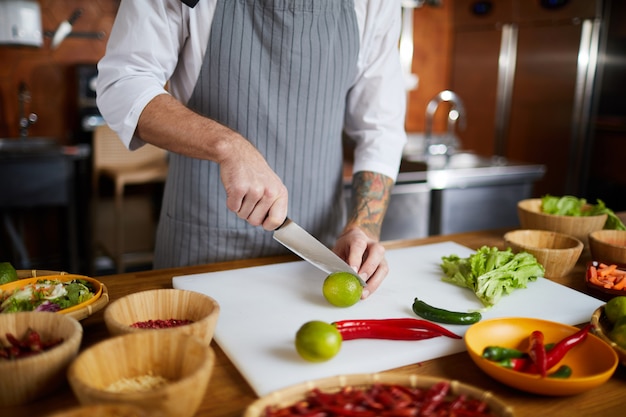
x: 183, y: 360
x: 290, y: 395
x: 103, y: 410
x: 558, y: 253
x: 531, y: 217
x: 608, y: 246
x: 164, y: 304
x: 26, y: 379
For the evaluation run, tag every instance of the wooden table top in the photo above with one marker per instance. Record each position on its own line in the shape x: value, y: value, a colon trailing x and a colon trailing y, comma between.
x: 229, y: 394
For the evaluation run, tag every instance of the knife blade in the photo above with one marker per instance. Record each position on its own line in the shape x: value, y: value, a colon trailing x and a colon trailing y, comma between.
x: 65, y: 28
x: 306, y: 246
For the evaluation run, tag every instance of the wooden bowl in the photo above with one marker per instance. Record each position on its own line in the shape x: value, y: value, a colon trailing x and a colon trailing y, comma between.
x: 164, y: 304
x: 531, y: 217
x: 290, y: 395
x: 608, y: 246
x: 183, y: 360
x: 26, y: 379
x: 557, y: 252
x: 602, y: 328
x: 104, y: 410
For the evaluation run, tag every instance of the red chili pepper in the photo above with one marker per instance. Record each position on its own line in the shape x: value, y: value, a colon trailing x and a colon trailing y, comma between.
x: 516, y: 364
x: 34, y: 341
x: 556, y: 354
x: 537, y: 352
x: 375, y: 331
x: 404, y: 322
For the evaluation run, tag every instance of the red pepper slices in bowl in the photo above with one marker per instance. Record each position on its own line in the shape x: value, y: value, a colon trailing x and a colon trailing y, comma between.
x: 389, y: 393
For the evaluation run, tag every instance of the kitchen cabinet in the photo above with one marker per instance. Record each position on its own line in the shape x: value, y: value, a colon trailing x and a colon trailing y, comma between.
x: 34, y: 181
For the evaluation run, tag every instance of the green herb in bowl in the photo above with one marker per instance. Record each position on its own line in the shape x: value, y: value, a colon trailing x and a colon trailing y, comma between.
x: 574, y: 206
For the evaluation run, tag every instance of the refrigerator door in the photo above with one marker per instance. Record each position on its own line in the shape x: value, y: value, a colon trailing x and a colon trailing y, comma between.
x: 525, y: 71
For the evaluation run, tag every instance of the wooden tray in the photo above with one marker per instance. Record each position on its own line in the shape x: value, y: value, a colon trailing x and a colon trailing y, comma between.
x: 290, y: 395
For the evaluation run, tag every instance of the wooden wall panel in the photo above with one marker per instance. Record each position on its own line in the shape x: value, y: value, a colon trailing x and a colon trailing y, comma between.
x: 48, y: 73
x: 431, y: 62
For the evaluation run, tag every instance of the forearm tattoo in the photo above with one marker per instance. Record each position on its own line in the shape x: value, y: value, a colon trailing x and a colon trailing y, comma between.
x: 370, y: 198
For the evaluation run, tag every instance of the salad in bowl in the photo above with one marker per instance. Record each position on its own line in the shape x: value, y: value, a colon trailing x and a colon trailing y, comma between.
x: 63, y: 293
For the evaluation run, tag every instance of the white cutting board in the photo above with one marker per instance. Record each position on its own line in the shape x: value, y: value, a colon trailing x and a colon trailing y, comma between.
x: 263, y: 307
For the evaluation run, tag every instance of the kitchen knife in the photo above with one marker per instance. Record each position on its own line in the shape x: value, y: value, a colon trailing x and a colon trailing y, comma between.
x: 65, y: 28
x: 300, y: 242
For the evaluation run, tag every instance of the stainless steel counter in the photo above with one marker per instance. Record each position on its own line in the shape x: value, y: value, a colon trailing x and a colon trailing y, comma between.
x: 458, y: 193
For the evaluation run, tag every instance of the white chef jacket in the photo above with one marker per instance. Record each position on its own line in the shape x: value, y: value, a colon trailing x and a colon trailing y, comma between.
x: 171, y: 45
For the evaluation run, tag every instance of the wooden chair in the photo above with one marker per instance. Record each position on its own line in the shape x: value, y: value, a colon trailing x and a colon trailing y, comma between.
x: 113, y: 161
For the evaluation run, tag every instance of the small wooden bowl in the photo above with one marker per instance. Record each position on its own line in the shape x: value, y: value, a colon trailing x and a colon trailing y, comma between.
x: 290, y: 395
x: 26, y: 379
x: 608, y: 246
x: 183, y: 360
x: 531, y: 217
x: 104, y: 410
x: 602, y: 328
x: 164, y: 304
x: 557, y: 252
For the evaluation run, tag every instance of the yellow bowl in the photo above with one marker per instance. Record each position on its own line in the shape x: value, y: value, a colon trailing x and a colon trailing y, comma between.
x: 513, y: 332
x: 558, y: 253
x: 26, y: 379
x: 97, y: 285
x: 164, y: 304
x: 531, y: 217
x: 290, y: 395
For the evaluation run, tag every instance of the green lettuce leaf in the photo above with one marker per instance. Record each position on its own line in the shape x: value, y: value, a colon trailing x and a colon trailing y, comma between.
x: 572, y: 206
x: 491, y: 273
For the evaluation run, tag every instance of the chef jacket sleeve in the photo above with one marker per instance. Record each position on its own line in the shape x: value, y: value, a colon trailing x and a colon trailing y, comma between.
x: 141, y: 55
x: 376, y: 104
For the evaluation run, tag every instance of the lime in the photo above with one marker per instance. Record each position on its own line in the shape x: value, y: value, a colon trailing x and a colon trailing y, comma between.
x: 7, y: 273
x: 317, y: 341
x: 342, y: 289
x: 618, y: 333
x: 615, y: 308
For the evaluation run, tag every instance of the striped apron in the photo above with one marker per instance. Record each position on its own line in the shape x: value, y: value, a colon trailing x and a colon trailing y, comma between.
x: 278, y: 72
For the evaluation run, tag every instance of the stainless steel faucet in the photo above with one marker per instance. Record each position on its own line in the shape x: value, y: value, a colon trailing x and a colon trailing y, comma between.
x: 25, y: 121
x: 444, y: 144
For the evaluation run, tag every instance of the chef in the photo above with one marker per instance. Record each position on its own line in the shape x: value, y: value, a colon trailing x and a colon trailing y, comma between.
x: 251, y: 98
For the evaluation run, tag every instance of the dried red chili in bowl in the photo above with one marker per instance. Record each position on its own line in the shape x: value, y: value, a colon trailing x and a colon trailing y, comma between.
x: 161, y: 309
x: 30, y: 344
x: 161, y: 324
x: 379, y: 394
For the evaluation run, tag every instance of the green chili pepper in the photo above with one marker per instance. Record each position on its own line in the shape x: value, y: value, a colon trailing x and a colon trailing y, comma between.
x: 499, y: 353
x: 440, y: 315
x: 564, y: 372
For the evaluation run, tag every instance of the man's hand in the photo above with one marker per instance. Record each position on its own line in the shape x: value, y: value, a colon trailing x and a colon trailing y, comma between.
x: 365, y: 255
x: 253, y: 189
x: 359, y: 244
